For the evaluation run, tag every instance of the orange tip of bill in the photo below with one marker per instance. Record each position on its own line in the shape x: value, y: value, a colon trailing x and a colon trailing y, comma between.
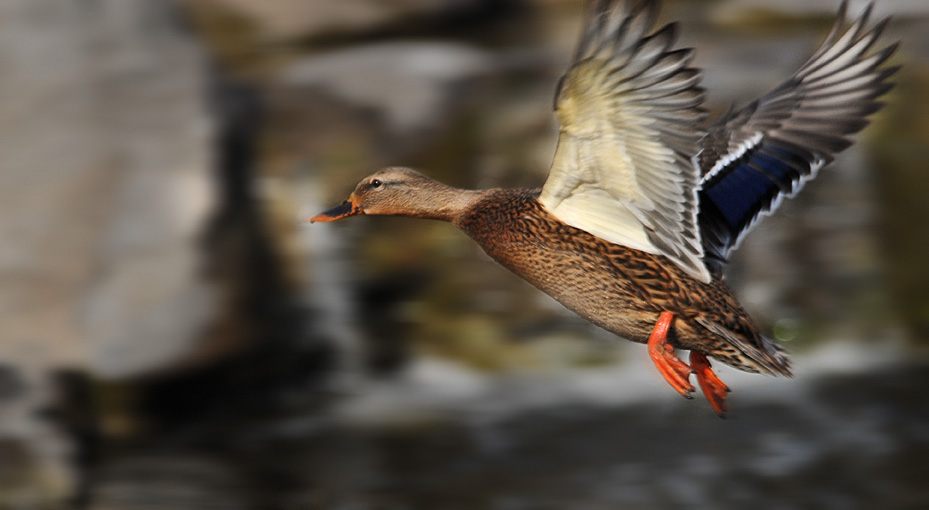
x: 343, y: 210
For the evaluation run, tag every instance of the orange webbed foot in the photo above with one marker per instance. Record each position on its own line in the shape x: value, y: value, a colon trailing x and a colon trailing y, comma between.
x: 675, y: 371
x: 713, y: 388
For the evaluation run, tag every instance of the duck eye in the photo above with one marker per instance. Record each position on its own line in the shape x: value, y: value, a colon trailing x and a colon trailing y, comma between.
x: 376, y: 183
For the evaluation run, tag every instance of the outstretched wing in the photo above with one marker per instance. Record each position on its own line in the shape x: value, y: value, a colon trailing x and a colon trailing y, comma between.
x: 630, y: 116
x: 768, y: 150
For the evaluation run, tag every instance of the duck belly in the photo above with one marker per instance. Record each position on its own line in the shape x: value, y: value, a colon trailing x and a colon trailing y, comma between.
x: 586, y: 284
x: 594, y: 278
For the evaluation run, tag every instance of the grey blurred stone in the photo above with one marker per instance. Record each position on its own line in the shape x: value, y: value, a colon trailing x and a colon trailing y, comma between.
x: 290, y: 18
x: 106, y: 186
x: 404, y: 92
x: 408, y: 84
x: 150, y: 299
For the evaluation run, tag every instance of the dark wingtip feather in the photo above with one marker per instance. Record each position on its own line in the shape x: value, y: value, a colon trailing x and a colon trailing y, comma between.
x: 835, y: 31
x: 884, y: 88
x: 862, y: 20
x: 672, y: 30
x: 651, y: 8
x: 887, y: 73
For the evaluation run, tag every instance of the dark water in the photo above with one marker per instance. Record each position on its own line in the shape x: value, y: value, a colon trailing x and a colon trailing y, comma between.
x: 838, y: 441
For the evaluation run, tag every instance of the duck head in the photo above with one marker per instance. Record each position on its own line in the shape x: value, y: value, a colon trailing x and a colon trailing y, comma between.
x: 397, y: 191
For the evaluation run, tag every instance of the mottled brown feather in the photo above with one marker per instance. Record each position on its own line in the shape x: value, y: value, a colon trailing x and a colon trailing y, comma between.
x: 617, y: 288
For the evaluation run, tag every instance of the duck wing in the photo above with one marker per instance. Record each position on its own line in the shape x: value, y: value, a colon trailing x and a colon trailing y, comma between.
x: 630, y: 116
x: 755, y: 157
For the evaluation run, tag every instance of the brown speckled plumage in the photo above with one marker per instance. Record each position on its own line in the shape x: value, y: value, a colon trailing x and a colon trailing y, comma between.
x: 617, y: 288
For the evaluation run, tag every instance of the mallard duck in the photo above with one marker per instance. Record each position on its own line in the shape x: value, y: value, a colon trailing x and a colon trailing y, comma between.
x: 644, y: 201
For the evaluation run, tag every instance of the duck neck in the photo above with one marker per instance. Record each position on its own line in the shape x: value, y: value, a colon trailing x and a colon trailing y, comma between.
x: 441, y: 202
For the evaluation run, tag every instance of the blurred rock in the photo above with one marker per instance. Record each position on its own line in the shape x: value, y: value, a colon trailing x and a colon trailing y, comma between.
x: 409, y: 85
x: 107, y: 186
x: 290, y: 18
x: 108, y: 182
x: 380, y: 104
x: 150, y: 298
x: 822, y: 7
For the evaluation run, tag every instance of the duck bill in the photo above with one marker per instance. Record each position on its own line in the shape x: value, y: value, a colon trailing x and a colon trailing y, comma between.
x: 343, y: 210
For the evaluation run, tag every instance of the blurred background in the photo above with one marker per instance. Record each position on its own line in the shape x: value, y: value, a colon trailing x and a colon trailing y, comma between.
x: 172, y: 336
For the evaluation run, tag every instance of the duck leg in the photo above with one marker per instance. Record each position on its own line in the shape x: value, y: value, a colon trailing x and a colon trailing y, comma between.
x: 714, y: 389
x: 675, y: 371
